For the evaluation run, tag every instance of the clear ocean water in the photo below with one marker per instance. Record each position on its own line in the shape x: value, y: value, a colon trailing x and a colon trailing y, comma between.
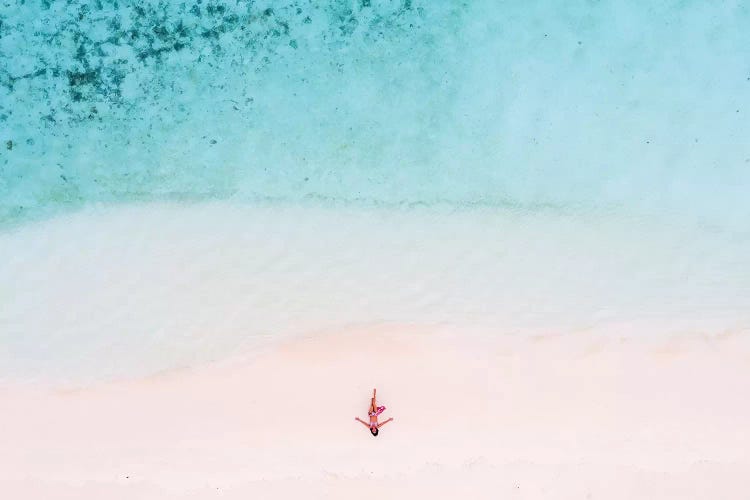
x: 180, y: 178
x: 641, y: 107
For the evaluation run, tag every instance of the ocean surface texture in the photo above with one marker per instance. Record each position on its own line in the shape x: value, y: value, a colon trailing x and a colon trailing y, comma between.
x: 641, y: 107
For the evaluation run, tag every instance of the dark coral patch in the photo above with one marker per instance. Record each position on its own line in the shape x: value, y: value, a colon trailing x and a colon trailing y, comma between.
x: 110, y: 41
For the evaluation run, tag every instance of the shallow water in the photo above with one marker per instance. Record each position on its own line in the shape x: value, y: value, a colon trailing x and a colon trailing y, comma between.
x: 123, y: 291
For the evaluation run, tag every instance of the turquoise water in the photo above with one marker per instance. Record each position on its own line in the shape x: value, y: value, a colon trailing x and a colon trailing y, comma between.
x: 488, y: 166
x: 637, y: 107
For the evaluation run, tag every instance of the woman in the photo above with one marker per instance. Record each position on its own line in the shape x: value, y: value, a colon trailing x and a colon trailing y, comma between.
x: 374, y: 411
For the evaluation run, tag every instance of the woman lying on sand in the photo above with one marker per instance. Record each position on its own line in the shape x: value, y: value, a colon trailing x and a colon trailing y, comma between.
x: 374, y: 411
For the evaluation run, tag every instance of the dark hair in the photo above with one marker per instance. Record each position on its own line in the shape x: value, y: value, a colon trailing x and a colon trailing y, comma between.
x: 374, y: 431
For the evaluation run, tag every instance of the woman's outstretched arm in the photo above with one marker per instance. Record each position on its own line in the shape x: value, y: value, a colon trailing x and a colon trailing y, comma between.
x: 381, y: 424
x: 362, y: 422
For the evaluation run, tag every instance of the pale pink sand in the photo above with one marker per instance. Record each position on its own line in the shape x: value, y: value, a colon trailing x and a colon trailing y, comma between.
x: 475, y: 416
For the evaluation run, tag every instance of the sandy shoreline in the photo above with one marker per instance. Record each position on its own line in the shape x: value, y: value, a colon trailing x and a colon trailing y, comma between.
x: 521, y: 355
x: 544, y: 417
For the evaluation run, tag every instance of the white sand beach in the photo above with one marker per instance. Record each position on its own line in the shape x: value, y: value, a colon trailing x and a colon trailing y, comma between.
x: 219, y: 351
x: 546, y: 417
